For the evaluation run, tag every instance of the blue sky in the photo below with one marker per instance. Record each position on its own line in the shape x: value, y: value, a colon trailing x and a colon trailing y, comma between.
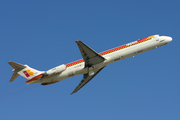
x: 42, y: 34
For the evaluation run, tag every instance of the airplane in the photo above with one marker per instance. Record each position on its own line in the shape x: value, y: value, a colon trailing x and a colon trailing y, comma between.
x: 91, y: 64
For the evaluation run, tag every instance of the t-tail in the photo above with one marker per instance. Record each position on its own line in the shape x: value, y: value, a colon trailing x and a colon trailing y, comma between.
x: 24, y: 70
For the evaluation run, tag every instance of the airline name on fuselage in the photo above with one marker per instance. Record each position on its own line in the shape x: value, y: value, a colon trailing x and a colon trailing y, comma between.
x: 132, y: 43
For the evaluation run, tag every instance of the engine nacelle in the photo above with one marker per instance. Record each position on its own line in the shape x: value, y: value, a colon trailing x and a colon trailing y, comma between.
x: 56, y: 70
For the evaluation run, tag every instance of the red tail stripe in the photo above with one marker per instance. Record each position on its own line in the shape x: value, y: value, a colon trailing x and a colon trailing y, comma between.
x: 34, y: 78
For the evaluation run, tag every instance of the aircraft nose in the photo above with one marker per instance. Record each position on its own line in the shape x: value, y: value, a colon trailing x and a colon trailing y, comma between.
x: 168, y: 39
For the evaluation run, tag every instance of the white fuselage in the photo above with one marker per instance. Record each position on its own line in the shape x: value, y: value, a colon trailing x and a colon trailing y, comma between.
x: 130, y: 49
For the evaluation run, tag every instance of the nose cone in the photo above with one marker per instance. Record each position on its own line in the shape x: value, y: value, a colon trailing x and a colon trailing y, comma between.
x: 168, y: 39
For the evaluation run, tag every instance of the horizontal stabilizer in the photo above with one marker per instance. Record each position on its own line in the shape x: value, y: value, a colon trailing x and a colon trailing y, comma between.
x: 16, y: 65
x: 14, y: 76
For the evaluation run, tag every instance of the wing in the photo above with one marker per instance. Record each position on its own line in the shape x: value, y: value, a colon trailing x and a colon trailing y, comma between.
x: 85, y: 80
x: 89, y: 55
x: 90, y: 58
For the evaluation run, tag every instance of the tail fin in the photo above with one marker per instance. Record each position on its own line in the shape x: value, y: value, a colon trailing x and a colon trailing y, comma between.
x: 25, y: 71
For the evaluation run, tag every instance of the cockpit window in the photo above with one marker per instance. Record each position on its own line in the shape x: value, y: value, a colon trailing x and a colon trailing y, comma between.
x: 160, y: 35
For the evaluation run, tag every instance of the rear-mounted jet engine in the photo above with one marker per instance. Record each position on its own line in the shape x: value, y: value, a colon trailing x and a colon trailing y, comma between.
x: 58, y: 69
